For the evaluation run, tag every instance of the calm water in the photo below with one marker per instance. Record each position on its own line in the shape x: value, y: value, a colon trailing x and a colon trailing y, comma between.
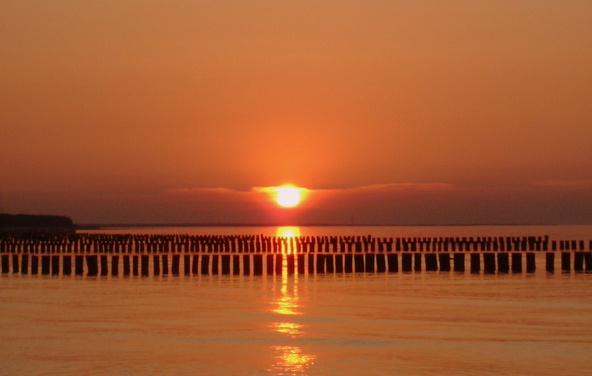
x: 364, y: 324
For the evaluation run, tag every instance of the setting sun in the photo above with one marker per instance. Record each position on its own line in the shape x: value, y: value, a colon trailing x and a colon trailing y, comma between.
x: 288, y: 196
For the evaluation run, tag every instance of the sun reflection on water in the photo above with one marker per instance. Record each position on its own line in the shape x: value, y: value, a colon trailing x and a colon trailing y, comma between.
x: 289, y: 360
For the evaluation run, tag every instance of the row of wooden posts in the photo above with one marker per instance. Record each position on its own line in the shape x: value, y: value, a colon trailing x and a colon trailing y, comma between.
x: 84, y: 243
x: 278, y: 264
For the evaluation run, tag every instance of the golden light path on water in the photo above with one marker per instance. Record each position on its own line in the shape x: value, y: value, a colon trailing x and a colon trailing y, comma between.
x: 289, y: 359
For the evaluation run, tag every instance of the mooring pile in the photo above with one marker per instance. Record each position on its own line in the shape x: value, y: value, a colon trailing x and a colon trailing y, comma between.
x: 85, y: 254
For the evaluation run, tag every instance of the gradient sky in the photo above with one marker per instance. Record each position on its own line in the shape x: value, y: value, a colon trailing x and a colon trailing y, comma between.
x: 392, y: 112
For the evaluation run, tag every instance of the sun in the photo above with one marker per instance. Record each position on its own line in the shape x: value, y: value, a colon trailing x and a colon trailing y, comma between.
x: 288, y: 196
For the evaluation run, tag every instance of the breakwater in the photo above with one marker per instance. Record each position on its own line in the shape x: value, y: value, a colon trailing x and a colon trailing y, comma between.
x: 152, y: 255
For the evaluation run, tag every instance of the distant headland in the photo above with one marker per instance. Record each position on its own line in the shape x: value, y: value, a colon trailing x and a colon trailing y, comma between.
x: 29, y: 222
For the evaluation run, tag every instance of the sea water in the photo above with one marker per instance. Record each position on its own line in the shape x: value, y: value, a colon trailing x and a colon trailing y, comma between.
x: 418, y: 323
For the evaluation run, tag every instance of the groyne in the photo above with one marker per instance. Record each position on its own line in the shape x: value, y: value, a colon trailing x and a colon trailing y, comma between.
x: 153, y: 255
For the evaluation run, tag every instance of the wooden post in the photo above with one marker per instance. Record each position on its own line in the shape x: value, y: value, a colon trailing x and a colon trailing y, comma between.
x: 104, y: 265
x: 359, y: 263
x: 145, y: 267
x: 115, y: 265
x: 269, y: 263
x: 215, y: 264
x: 78, y: 265
x: 339, y: 263
x: 278, y: 263
x: 186, y: 265
x: 34, y: 264
x: 588, y: 261
x: 176, y: 264
x: 320, y: 269
x: 246, y: 265
x: 55, y: 265
x: 489, y: 262
x: 348, y: 263
x: 311, y: 263
x: 431, y: 262
x: 516, y: 262
x: 258, y: 264
x: 565, y: 261
x: 530, y: 262
x: 330, y: 263
x: 155, y: 264
x: 93, y: 265
x: 393, y: 262
x: 475, y: 263
x: 15, y: 263
x: 417, y: 261
x: 127, y: 269
x: 459, y: 262
x: 503, y: 262
x: 380, y: 263
x: 578, y: 261
x: 194, y: 264
x: 205, y: 264
x: 25, y: 263
x: 369, y: 259
x: 5, y: 264
x: 444, y: 259
x: 550, y: 262
x: 406, y: 261
x: 165, y: 264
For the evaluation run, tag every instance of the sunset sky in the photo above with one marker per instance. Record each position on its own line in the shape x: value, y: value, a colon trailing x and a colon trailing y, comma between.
x: 388, y: 112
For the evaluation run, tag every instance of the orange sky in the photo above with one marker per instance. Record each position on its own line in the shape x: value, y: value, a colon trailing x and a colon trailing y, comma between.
x: 389, y: 111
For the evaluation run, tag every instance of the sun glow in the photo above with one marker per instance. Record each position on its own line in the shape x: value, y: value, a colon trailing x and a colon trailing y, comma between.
x: 288, y: 196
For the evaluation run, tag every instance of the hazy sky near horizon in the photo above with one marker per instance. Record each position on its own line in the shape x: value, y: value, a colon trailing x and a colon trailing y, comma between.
x: 423, y: 111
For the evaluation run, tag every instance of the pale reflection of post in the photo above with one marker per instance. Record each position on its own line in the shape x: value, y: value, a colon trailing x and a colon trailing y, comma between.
x: 289, y: 360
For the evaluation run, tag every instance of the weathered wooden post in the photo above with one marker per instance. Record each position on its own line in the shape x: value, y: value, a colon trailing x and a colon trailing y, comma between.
x: 380, y: 263
x: 78, y: 265
x: 155, y: 264
x: 236, y: 263
x: 550, y: 262
x: 417, y: 261
x: 516, y: 262
x: 359, y: 263
x: 431, y: 262
x: 444, y: 259
x: 55, y: 264
x: 406, y: 261
x: 34, y: 264
x: 393, y: 262
x: 578, y: 261
x: 269, y: 264
x: 45, y: 264
x: 503, y: 262
x: 369, y: 260
x: 25, y: 263
x: 5, y: 264
x: 530, y: 262
x: 92, y: 265
x: 258, y: 264
x: 459, y: 262
x: 215, y: 264
x: 320, y: 264
x: 176, y: 264
x: 291, y: 263
x: 475, y: 263
x: 566, y: 261
x: 205, y: 264
x: 311, y: 263
x: 15, y: 263
x: 104, y: 267
x: 246, y: 265
x: 489, y: 262
x: 144, y: 267
x: 588, y: 261
x: 279, y: 258
x: 115, y: 265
